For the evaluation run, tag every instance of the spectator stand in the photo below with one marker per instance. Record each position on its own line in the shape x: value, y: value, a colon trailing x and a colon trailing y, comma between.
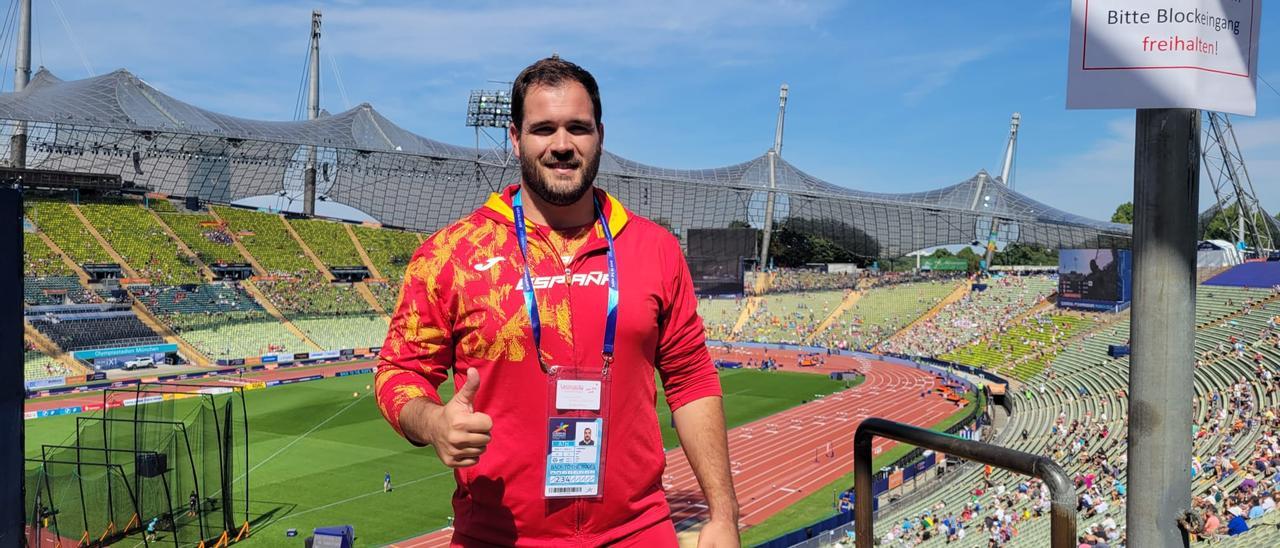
x: 388, y: 251
x: 206, y: 235
x: 136, y: 236
x: 113, y: 256
x: 251, y: 287
x: 885, y: 309
x: 236, y: 241
x: 182, y: 246
x: 961, y: 291
x: 850, y: 301
x: 1075, y: 412
x: 338, y: 251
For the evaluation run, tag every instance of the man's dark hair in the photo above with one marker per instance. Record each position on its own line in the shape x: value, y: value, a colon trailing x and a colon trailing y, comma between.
x: 551, y: 71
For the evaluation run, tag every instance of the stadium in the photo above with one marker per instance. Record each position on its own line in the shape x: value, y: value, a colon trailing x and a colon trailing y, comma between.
x: 198, y: 371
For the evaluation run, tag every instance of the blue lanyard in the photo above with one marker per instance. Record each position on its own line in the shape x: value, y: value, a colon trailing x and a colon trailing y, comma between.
x: 531, y: 299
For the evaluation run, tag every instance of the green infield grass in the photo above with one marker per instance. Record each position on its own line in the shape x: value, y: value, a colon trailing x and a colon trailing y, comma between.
x: 318, y: 454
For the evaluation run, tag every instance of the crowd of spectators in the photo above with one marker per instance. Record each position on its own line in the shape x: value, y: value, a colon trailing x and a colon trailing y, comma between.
x: 793, y: 280
x: 883, y: 311
x: 217, y: 235
x: 790, y: 319
x: 976, y: 314
x: 313, y: 295
x: 39, y: 260
x: 997, y: 511
x: 1025, y: 347
x: 991, y: 513
x: 1245, y: 485
x: 38, y: 365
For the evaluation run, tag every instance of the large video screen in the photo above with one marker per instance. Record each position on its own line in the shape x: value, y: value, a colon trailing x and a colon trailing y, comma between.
x: 715, y: 259
x: 1096, y: 279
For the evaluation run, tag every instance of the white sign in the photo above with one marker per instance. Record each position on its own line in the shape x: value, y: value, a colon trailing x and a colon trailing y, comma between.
x: 578, y: 395
x: 1164, y: 54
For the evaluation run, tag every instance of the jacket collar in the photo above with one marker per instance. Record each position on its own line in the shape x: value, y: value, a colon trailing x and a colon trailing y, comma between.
x: 498, y: 208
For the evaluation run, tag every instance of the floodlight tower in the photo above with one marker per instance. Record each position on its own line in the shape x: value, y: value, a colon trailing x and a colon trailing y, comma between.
x: 1230, y: 180
x: 773, y: 176
x: 21, y: 75
x: 313, y: 112
x: 489, y: 112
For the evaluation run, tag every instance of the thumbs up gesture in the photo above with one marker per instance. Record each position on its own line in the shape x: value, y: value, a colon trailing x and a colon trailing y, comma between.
x: 457, y: 432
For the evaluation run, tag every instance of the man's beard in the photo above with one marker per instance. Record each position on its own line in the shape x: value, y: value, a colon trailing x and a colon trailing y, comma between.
x: 531, y: 170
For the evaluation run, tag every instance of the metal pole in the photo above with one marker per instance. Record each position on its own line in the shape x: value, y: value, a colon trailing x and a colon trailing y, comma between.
x: 1062, y: 514
x: 1006, y: 170
x: 1242, y: 210
x: 313, y: 112
x: 773, y: 176
x: 768, y: 214
x: 21, y: 75
x: 1166, y: 189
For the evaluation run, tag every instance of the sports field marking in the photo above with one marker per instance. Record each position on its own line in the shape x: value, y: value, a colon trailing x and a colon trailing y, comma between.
x: 299, y: 437
x: 369, y: 494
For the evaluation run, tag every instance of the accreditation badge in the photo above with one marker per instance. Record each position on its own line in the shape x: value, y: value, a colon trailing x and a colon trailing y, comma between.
x: 576, y: 430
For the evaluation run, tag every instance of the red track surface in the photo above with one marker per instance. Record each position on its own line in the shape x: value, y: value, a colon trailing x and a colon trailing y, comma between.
x: 95, y: 398
x: 781, y: 459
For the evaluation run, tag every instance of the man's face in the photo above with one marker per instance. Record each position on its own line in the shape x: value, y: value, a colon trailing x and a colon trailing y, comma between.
x: 560, y: 142
x: 586, y: 435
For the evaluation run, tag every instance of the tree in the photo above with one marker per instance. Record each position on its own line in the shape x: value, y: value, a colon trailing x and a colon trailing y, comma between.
x: 1222, y: 226
x: 1123, y: 214
x: 973, y: 258
x: 739, y: 224
x: 796, y: 248
x: 1025, y: 254
x: 797, y: 241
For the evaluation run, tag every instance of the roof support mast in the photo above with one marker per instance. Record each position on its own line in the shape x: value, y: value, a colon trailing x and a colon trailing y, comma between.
x: 1229, y: 178
x: 1006, y: 177
x: 773, y: 177
x: 1010, y: 150
x: 313, y: 112
x: 21, y: 75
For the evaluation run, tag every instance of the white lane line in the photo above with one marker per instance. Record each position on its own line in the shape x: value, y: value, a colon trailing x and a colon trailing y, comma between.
x: 299, y: 437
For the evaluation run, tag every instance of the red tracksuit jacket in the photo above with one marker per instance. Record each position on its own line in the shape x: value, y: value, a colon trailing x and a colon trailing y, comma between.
x: 461, y: 308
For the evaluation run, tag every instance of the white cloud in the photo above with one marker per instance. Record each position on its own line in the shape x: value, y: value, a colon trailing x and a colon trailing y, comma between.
x: 934, y: 70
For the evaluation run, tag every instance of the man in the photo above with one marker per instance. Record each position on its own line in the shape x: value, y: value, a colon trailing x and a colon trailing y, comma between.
x: 193, y: 504
x: 386, y: 482
x: 468, y: 304
x: 586, y: 438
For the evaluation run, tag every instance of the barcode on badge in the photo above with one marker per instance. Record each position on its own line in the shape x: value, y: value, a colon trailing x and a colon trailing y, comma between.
x: 579, y: 490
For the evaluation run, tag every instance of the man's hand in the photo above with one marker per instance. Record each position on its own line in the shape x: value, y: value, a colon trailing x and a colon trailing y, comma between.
x: 457, y: 432
x: 719, y: 533
x: 700, y: 425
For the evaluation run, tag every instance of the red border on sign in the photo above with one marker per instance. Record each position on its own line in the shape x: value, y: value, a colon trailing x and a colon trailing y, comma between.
x: 1253, y: 6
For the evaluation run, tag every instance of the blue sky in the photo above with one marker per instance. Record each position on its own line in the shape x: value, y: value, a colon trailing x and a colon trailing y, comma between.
x: 886, y: 96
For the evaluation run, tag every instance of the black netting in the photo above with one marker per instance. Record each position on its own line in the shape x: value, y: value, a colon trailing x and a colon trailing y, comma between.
x: 116, y: 124
x: 168, y: 454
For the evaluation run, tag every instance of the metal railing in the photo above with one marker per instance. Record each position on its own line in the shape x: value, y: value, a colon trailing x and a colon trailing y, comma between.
x: 1062, y: 514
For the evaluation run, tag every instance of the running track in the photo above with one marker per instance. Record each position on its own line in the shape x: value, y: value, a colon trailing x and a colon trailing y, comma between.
x: 781, y: 459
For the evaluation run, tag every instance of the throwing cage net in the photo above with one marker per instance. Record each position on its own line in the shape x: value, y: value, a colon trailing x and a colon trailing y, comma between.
x: 160, y: 464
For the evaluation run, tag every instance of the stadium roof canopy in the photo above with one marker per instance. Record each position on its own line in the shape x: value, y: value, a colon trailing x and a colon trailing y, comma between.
x: 117, y: 123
